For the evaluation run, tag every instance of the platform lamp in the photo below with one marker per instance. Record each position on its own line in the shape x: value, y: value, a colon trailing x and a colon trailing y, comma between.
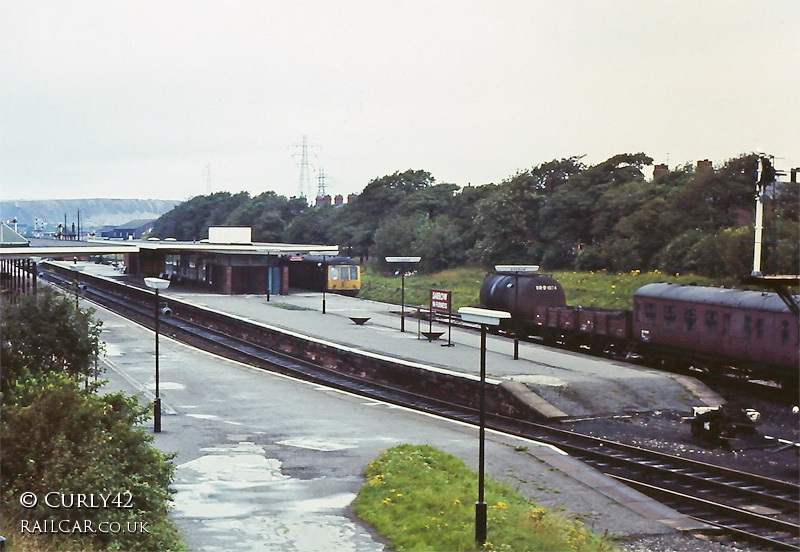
x: 402, y: 261
x: 77, y: 267
x: 516, y: 270
x: 324, y: 255
x: 157, y: 284
x: 484, y: 317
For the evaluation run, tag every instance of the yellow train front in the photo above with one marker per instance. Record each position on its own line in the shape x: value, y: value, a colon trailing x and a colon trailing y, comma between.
x: 322, y: 273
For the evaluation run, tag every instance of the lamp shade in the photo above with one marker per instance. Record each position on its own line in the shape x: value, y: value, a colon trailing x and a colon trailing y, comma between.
x: 156, y: 283
x: 482, y: 316
x: 403, y: 259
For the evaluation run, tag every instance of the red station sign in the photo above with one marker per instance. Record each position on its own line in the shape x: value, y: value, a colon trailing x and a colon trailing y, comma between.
x: 441, y: 300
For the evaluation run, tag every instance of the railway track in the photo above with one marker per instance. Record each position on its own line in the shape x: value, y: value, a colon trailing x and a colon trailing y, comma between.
x: 739, y: 507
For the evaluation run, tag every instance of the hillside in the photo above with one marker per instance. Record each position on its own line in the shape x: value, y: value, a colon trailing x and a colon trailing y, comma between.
x: 95, y: 213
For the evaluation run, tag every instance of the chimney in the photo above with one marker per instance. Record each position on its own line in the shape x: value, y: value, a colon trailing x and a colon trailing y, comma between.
x: 704, y: 165
x: 338, y: 200
x: 658, y: 170
x: 351, y: 198
x: 323, y: 200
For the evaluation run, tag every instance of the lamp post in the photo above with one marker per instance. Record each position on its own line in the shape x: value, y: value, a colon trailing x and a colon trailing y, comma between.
x: 156, y: 284
x: 516, y: 270
x: 484, y: 317
x: 403, y: 261
x: 76, y: 267
x: 325, y: 271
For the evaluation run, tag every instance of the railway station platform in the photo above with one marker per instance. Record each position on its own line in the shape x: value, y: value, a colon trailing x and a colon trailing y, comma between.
x: 554, y: 383
x: 268, y: 462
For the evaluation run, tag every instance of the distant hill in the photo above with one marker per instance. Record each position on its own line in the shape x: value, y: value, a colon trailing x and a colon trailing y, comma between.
x: 95, y: 213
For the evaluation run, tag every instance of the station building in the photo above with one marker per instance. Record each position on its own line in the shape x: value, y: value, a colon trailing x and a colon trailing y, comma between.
x: 227, y: 262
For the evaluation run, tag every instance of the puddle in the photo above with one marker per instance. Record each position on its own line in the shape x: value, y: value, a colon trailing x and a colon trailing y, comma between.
x: 113, y: 350
x: 548, y: 381
x: 315, y: 444
x: 235, y: 498
x: 166, y: 385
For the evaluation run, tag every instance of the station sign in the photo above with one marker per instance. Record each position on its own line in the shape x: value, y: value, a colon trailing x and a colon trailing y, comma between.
x: 441, y: 300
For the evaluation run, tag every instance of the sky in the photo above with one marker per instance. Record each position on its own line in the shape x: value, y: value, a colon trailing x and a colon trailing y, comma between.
x: 173, y: 99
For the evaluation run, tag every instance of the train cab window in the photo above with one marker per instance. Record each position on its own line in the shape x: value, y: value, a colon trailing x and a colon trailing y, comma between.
x: 784, y: 332
x: 712, y: 322
x: 354, y: 273
x: 334, y: 273
x: 650, y: 313
x: 748, y: 327
x: 669, y: 317
x: 760, y: 328
x: 690, y: 319
x: 726, y: 323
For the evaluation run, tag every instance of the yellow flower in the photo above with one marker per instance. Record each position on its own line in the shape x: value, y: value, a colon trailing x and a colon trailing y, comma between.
x: 457, y: 502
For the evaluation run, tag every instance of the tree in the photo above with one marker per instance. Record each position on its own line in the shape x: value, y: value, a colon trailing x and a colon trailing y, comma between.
x: 570, y: 211
x: 190, y: 220
x: 510, y: 216
x: 379, y: 199
x: 46, y: 333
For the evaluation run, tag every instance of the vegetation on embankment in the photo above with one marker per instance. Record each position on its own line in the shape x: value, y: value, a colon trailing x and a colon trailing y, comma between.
x: 79, y: 471
x: 423, y: 499
x: 588, y: 289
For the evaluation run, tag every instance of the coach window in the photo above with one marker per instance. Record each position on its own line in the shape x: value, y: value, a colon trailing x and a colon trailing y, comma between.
x: 760, y: 328
x: 669, y: 317
x: 690, y: 319
x: 334, y: 273
x: 784, y: 332
x: 726, y: 323
x: 748, y: 327
x: 712, y: 322
x: 638, y: 307
x: 650, y: 313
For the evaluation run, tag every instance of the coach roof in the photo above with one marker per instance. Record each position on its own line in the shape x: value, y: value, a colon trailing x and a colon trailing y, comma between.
x: 756, y: 300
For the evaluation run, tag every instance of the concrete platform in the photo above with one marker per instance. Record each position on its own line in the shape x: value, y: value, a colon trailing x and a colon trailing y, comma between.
x: 554, y: 383
x: 266, y: 462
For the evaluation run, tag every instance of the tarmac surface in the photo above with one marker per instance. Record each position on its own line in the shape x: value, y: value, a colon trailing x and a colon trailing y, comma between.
x: 266, y: 462
x: 569, y: 384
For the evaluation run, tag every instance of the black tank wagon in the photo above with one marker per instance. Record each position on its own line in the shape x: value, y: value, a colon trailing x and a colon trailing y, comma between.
x: 498, y: 292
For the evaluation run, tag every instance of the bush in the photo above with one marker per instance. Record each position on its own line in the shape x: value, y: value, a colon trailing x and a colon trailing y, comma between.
x: 59, y: 438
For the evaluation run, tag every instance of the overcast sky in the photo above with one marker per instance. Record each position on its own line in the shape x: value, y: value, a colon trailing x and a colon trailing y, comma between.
x: 137, y: 99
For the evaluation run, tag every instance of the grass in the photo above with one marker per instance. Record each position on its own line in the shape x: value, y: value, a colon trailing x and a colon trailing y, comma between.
x: 589, y: 289
x: 423, y: 499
